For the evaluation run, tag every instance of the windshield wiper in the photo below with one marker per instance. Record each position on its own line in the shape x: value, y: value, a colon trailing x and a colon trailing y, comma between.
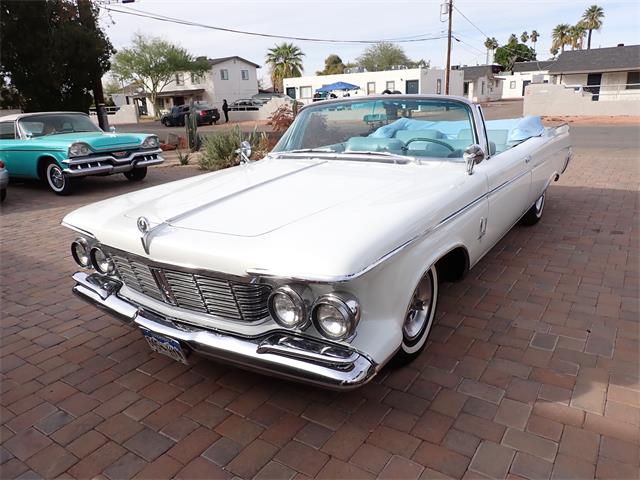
x: 306, y: 150
x: 394, y: 156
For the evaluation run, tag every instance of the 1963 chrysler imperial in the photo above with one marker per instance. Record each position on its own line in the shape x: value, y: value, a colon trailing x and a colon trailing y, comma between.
x: 59, y: 147
x: 321, y: 262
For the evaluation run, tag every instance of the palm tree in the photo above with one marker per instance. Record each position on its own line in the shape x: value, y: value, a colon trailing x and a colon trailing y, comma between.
x: 490, y: 44
x: 524, y: 37
x: 285, y: 61
x: 534, y: 38
x: 512, y: 39
x: 592, y: 20
x: 560, y: 36
x: 576, y: 35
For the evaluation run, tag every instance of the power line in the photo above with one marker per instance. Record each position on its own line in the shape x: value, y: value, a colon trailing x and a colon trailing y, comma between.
x: 163, y: 18
x: 473, y: 24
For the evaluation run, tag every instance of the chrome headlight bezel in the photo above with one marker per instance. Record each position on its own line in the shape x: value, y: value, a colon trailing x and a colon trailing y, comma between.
x: 348, y: 308
x: 79, y: 149
x: 81, y: 244
x: 104, y: 265
x: 152, y: 141
x: 300, y: 297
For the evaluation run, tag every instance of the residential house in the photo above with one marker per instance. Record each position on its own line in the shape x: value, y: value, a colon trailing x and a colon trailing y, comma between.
x: 481, y: 83
x: 523, y: 74
x: 403, y: 80
x: 229, y: 78
x: 611, y: 73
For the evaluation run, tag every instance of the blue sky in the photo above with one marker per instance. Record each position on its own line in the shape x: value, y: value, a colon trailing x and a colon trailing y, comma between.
x: 369, y: 20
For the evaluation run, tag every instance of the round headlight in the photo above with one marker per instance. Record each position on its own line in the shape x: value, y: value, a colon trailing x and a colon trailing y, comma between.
x: 288, y: 305
x: 79, y: 150
x: 101, y: 262
x: 336, y: 315
x: 80, y: 253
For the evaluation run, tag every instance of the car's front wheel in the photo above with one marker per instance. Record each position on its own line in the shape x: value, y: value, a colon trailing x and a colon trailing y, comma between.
x: 534, y: 214
x: 57, y: 180
x: 419, y: 318
x: 136, y: 174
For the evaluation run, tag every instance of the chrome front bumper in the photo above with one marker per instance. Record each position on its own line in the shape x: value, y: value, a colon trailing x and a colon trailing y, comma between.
x: 278, y: 353
x: 108, y: 164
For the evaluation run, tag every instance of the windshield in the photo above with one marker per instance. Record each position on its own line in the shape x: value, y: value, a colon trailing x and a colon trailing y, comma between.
x: 410, y: 127
x: 57, y: 123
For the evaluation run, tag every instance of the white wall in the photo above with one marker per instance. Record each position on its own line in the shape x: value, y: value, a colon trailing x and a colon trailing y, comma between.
x: 485, y: 89
x: 517, y: 79
x: 612, y: 85
x: 234, y: 88
x: 427, y: 82
x: 263, y: 113
x: 552, y: 100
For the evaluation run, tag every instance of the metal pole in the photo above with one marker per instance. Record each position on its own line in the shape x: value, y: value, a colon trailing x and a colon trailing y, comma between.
x: 448, y: 69
x: 87, y: 20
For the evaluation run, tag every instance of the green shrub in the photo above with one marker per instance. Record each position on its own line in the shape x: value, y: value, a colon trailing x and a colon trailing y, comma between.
x: 183, y: 157
x: 219, y: 150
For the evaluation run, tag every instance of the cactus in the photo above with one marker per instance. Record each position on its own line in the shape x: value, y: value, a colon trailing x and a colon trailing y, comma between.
x: 191, y: 124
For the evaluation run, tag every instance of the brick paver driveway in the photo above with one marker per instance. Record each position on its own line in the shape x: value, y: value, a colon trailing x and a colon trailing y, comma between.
x: 532, y: 370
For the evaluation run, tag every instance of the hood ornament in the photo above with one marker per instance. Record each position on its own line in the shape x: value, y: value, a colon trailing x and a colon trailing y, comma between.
x: 143, y: 227
x: 143, y: 224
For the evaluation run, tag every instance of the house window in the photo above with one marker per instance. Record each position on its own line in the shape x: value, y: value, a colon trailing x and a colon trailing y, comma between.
x: 196, y: 78
x: 439, y: 86
x: 391, y: 85
x: 482, y: 88
x: 512, y: 85
x: 179, y: 78
x: 633, y: 81
x: 305, y: 92
x: 224, y: 74
x: 371, y: 88
x: 245, y: 74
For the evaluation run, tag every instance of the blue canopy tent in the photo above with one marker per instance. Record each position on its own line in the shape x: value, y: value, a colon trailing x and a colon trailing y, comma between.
x: 338, y: 86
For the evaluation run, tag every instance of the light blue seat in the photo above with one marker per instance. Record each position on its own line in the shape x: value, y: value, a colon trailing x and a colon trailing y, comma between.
x: 369, y: 144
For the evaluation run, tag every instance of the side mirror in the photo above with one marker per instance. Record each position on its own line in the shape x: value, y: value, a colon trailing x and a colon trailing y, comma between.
x: 112, y: 129
x: 244, y: 151
x: 28, y: 135
x: 473, y: 155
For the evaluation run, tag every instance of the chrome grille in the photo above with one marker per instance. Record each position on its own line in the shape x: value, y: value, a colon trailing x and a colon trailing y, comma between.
x: 199, y: 293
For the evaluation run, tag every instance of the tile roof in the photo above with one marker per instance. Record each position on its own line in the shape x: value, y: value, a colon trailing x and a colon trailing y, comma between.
x: 533, y: 66
x: 471, y: 74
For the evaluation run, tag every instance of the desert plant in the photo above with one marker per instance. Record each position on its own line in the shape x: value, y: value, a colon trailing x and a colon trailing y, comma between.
x: 183, y: 158
x: 281, y: 118
x: 219, y: 151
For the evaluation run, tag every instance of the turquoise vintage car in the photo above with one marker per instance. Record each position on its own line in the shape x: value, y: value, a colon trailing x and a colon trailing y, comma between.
x: 59, y: 147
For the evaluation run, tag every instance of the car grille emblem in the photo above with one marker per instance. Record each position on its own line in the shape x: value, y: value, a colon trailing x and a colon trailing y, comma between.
x: 119, y: 154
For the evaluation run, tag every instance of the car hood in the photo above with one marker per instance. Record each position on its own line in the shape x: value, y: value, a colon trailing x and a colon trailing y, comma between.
x: 310, y: 214
x: 98, y: 141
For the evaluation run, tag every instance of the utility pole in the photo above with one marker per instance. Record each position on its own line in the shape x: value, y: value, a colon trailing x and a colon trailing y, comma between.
x: 87, y: 20
x: 447, y: 72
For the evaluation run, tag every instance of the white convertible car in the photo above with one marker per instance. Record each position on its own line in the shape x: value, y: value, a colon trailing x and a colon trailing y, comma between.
x: 321, y: 262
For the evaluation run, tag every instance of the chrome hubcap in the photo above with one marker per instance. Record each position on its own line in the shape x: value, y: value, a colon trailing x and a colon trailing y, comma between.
x: 56, y: 177
x: 419, y: 309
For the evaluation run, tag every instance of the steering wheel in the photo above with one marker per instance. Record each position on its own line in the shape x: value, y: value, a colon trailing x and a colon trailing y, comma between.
x: 432, y: 140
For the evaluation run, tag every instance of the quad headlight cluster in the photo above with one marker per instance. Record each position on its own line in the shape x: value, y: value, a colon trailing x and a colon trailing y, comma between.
x: 151, y: 142
x: 335, y: 315
x: 79, y: 149
x: 88, y: 256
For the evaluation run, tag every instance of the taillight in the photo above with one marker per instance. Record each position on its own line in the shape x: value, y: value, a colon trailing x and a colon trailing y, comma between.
x: 202, y: 113
x: 1, y: 164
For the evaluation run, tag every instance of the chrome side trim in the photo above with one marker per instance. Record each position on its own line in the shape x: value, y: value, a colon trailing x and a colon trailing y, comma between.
x: 77, y: 229
x: 281, y: 354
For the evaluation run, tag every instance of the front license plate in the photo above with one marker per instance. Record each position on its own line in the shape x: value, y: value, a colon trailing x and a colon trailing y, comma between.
x: 165, y: 345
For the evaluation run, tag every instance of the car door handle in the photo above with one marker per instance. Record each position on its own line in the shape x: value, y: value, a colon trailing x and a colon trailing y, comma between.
x: 527, y: 159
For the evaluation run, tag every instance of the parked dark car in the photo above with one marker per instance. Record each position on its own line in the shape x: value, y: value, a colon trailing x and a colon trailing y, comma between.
x: 245, y: 104
x: 177, y: 115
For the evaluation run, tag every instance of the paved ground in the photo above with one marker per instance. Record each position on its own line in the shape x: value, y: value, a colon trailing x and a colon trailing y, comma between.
x: 532, y: 370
